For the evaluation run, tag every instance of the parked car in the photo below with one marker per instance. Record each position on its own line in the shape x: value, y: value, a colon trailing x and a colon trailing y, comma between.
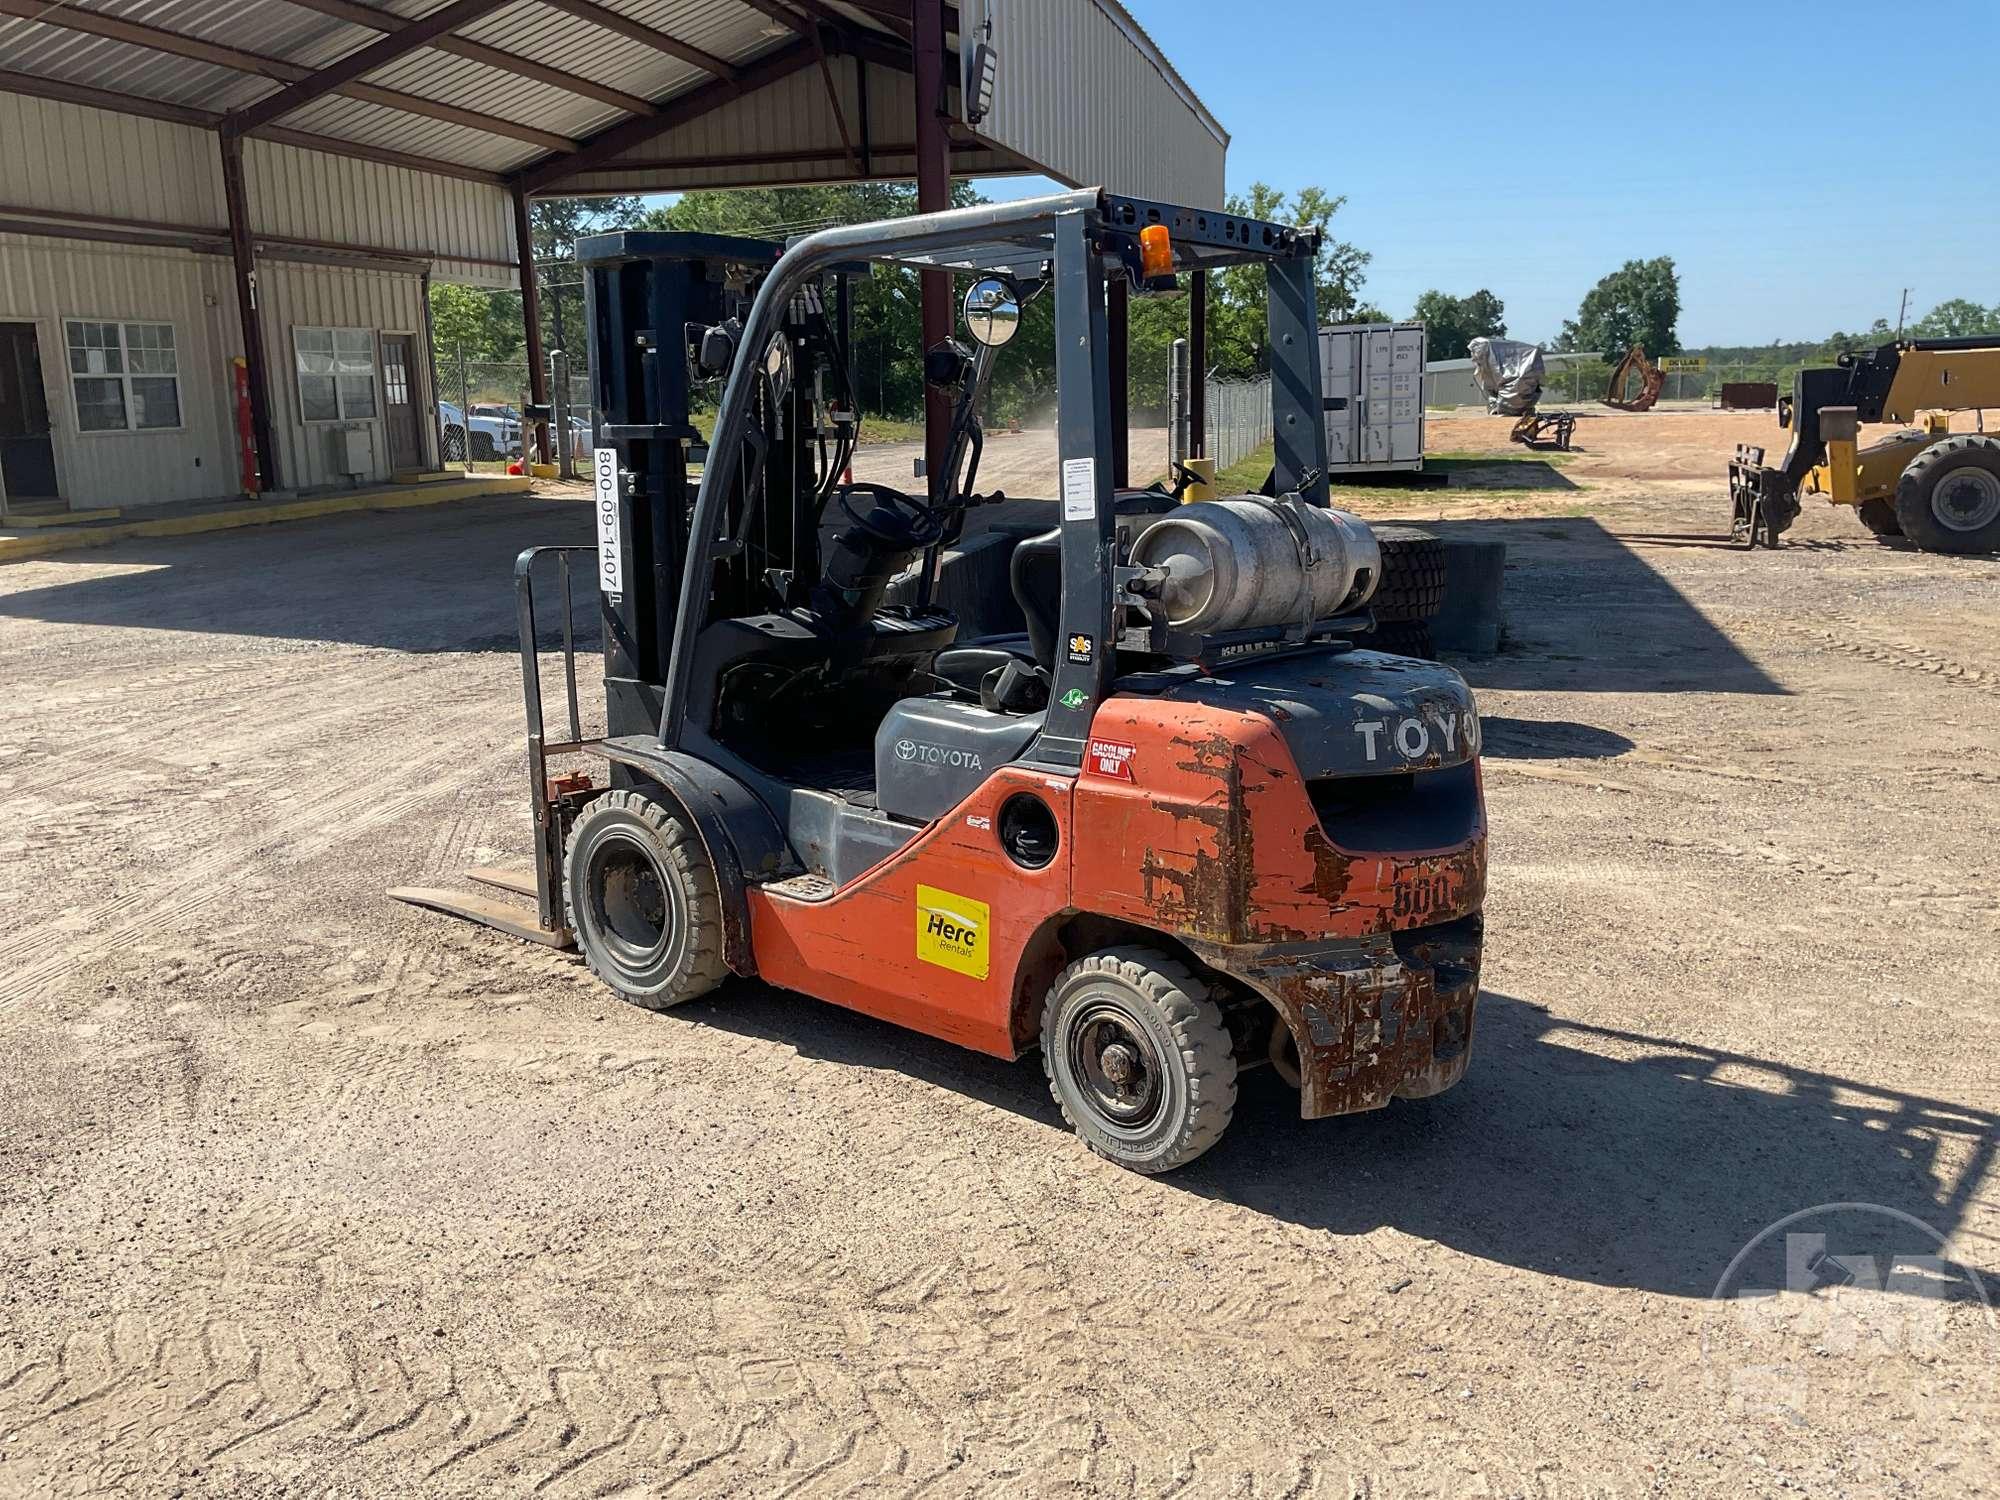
x: 494, y: 435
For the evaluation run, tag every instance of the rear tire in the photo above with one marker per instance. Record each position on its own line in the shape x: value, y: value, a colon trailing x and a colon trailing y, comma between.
x: 1948, y: 499
x: 1412, y: 586
x: 642, y: 901
x: 1402, y: 638
x: 1138, y: 1058
x: 1879, y: 516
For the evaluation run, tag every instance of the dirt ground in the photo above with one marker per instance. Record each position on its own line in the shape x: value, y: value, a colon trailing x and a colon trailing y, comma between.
x: 303, y: 1192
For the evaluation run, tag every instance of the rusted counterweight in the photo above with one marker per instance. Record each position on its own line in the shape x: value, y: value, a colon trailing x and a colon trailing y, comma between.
x: 1319, y: 836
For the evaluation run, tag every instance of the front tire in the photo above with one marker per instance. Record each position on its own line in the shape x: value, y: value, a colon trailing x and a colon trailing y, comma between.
x: 1879, y: 516
x: 1138, y: 1058
x: 1948, y: 499
x: 642, y: 900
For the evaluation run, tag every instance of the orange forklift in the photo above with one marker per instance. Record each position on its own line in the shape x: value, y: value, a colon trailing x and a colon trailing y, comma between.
x: 1177, y: 827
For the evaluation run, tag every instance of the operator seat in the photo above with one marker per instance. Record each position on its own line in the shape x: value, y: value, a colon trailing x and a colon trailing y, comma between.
x: 1034, y: 574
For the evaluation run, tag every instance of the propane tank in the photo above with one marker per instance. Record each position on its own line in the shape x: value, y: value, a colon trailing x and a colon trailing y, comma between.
x: 1246, y: 563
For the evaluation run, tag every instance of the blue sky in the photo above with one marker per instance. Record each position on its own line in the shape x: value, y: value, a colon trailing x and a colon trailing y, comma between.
x: 1802, y: 163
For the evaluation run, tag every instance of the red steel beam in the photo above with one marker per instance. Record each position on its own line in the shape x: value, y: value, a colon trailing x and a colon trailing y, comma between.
x: 278, y: 69
x: 357, y: 64
x: 242, y: 253
x: 648, y: 36
x: 933, y: 194
x: 202, y: 119
x: 692, y: 105
x: 480, y: 52
x: 531, y: 314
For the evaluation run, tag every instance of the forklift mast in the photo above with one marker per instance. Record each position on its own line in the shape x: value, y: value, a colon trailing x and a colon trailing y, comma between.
x: 654, y: 306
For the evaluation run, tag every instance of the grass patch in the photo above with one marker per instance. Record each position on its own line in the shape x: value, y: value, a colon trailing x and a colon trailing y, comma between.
x: 1246, y: 475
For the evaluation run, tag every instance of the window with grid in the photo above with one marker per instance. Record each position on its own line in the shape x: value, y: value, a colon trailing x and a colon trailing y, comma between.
x: 125, y: 376
x: 336, y: 370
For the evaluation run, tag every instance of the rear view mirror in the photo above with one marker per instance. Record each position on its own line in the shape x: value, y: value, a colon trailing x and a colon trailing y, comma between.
x: 992, y: 311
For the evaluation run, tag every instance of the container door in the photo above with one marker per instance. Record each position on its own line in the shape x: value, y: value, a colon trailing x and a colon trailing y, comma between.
x: 27, y: 452
x: 1339, y: 374
x: 1377, y: 415
x: 1406, y: 396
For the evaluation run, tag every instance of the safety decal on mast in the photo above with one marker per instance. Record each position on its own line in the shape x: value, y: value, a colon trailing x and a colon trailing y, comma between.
x: 610, y: 555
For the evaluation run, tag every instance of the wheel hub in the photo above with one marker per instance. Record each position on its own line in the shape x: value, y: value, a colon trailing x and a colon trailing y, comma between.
x: 1967, y: 500
x: 1114, y: 1062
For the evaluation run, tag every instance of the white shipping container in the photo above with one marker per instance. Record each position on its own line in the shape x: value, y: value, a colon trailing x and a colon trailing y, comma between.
x: 1372, y: 379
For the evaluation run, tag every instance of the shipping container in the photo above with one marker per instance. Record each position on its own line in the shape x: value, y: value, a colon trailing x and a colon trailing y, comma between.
x: 1372, y: 378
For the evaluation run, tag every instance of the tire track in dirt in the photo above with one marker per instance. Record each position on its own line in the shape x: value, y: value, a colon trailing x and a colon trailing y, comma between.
x: 201, y: 884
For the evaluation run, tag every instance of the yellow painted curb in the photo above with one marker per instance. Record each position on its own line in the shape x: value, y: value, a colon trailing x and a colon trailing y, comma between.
x: 63, y: 517
x: 17, y: 547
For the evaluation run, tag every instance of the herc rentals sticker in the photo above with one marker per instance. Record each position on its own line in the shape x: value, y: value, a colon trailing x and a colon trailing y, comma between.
x: 952, y: 931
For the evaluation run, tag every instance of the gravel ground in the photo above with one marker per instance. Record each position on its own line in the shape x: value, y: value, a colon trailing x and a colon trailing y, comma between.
x: 304, y: 1192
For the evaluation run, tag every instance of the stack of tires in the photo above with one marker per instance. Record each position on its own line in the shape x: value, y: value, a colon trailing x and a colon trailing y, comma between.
x: 1411, y: 591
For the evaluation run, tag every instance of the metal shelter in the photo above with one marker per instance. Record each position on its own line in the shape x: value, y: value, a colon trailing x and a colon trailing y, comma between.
x: 520, y: 98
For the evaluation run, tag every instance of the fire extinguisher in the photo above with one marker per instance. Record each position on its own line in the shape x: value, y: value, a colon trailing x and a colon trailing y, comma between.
x: 246, y: 437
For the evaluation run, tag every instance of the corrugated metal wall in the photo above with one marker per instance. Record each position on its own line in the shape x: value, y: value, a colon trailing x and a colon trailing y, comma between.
x: 64, y: 158
x: 1077, y: 92
x: 791, y: 118
x: 292, y: 295
x: 45, y: 281
x: 309, y: 195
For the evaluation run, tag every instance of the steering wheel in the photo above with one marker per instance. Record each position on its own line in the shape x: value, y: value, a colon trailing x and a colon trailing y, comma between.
x: 919, y: 525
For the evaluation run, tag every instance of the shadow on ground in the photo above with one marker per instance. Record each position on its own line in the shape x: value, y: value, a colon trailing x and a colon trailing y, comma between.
x: 1585, y: 612
x: 1601, y: 1156
x: 436, y: 578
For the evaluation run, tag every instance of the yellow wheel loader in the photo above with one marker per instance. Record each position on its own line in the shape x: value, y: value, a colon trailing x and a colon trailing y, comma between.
x: 1940, y: 491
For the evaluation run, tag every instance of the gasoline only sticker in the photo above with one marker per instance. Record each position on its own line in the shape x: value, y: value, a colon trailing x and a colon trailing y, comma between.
x: 1109, y: 758
x: 952, y: 931
x: 610, y: 556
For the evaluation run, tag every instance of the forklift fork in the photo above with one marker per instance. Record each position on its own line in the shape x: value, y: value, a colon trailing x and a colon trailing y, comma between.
x: 554, y: 800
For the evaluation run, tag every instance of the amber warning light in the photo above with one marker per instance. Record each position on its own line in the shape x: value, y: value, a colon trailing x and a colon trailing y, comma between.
x: 1156, y: 252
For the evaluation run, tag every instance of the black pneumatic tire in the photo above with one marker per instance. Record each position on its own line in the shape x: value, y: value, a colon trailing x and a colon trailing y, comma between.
x: 1957, y: 472
x: 1412, y: 586
x: 642, y: 901
x: 1163, y: 1014
x: 1879, y: 516
x: 1402, y: 638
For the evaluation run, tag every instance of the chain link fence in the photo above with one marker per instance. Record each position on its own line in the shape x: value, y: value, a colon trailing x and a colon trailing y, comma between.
x: 480, y: 406
x: 1239, y: 419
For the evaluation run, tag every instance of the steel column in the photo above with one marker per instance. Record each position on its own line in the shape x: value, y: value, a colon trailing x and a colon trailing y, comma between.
x: 1197, y: 397
x: 243, y: 255
x: 1087, y: 642
x: 1118, y: 357
x: 1298, y: 418
x: 531, y: 323
x: 933, y: 195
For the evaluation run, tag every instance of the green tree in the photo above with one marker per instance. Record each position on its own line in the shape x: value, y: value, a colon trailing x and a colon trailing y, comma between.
x: 1237, y: 330
x: 555, y: 225
x: 485, y: 325
x: 1639, y: 303
x: 887, y: 348
x: 1956, y: 319
x: 1452, y: 323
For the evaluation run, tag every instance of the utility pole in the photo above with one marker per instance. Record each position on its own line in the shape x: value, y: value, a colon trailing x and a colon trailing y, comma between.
x: 1902, y: 308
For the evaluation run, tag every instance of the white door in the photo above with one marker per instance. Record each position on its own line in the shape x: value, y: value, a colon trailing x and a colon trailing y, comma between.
x: 1406, y: 395
x: 1378, y: 415
x: 1340, y: 361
